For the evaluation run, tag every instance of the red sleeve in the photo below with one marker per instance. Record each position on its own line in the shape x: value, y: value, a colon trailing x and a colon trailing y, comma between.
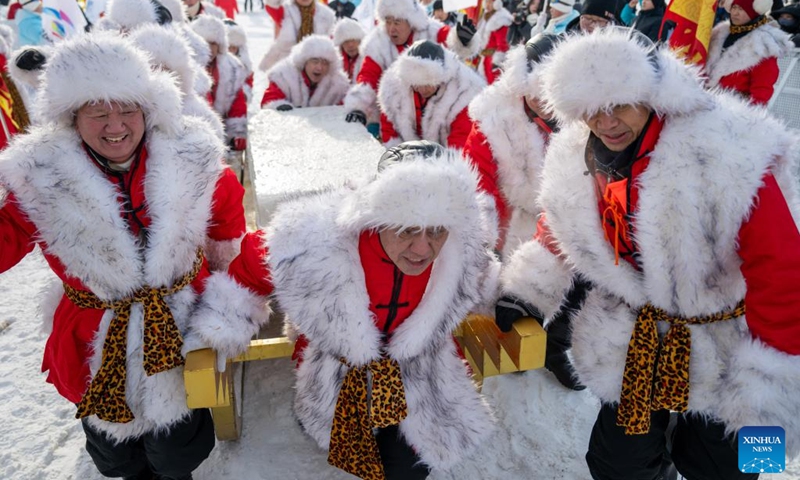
x: 227, y: 208
x: 249, y: 80
x: 276, y: 14
x: 544, y: 236
x: 459, y: 130
x: 239, y: 106
x: 272, y: 93
x: 762, y: 81
x: 370, y: 73
x: 478, y: 151
x: 16, y: 234
x: 769, y: 246
x: 387, y: 129
x: 250, y: 267
x: 441, y: 35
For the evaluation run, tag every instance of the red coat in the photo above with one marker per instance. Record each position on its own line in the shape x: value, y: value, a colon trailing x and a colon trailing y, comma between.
x: 229, y: 6
x: 459, y: 128
x: 757, y: 84
x: 68, y: 348
x: 498, y: 42
x: 477, y: 149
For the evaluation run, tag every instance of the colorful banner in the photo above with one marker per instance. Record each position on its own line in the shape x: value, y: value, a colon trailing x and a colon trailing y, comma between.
x: 62, y: 19
x: 693, y: 20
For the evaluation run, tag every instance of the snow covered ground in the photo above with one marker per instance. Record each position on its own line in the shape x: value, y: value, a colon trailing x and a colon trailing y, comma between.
x: 543, y: 435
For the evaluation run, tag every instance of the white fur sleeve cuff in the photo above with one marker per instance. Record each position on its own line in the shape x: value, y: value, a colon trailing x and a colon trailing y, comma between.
x: 228, y: 316
x: 454, y: 44
x: 537, y: 276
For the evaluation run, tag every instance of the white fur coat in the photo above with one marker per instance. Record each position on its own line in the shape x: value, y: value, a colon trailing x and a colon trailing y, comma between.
x: 320, y: 284
x: 699, y: 187
x: 763, y: 42
x: 396, y: 100
x: 76, y: 212
x: 232, y: 76
x: 330, y: 90
x: 324, y: 18
x: 501, y: 18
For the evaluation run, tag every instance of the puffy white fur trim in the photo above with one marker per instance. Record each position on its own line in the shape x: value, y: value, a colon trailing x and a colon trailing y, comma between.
x: 228, y: 315
x: 232, y: 76
x: 485, y: 28
x: 177, y: 9
x: 439, y: 191
x: 168, y: 49
x: 459, y: 85
x: 201, y: 52
x: 324, y: 19
x: 235, y: 127
x: 49, y: 300
x: 238, y: 38
x: 32, y: 79
x: 763, y: 42
x: 129, y: 14
x: 287, y: 74
x: 79, y: 73
x: 6, y: 40
x: 586, y: 74
x: 220, y: 253
x: 210, y: 9
x: 347, y: 29
x: 410, y: 10
x: 315, y: 46
x: 761, y: 390
x: 211, y: 29
x: 534, y: 274
x: 516, y: 78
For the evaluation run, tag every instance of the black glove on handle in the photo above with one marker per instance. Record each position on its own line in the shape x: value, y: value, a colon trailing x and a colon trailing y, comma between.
x: 30, y: 59
x: 509, y: 309
x: 284, y: 108
x: 465, y: 31
x: 356, y: 116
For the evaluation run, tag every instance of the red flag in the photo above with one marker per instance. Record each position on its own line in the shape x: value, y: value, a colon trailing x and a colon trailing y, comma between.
x: 693, y: 20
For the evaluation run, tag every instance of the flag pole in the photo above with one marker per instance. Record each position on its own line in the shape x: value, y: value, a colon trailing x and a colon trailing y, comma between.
x: 89, y: 24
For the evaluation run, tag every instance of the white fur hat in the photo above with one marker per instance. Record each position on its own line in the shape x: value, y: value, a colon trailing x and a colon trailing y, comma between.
x: 236, y: 35
x: 129, y: 14
x: 166, y: 47
x: 422, y: 190
x: 7, y: 39
x: 426, y: 63
x: 409, y: 10
x: 586, y: 74
x: 177, y: 9
x: 316, y: 46
x: 563, y: 6
x: 212, y: 30
x: 102, y: 67
x: 347, y: 29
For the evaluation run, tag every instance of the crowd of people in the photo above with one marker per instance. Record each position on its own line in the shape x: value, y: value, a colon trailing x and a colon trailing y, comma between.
x: 563, y: 165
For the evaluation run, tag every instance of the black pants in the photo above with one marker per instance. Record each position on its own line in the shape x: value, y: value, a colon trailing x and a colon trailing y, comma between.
x: 171, y: 455
x: 400, y: 462
x: 700, y: 450
x: 246, y: 2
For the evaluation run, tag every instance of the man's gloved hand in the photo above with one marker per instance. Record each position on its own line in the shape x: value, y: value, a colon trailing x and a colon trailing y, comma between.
x: 239, y: 144
x: 30, y: 59
x: 284, y: 107
x: 509, y: 309
x: 356, y: 116
x: 465, y: 30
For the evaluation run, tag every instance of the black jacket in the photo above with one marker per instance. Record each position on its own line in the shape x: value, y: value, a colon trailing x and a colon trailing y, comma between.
x: 649, y: 23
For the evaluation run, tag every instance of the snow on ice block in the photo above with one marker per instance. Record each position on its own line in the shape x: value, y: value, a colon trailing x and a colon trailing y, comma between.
x: 306, y: 149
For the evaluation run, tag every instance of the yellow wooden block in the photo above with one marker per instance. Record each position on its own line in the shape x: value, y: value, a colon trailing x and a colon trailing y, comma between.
x: 205, y: 387
x: 488, y: 333
x: 267, y: 348
x: 526, y: 344
x: 476, y: 374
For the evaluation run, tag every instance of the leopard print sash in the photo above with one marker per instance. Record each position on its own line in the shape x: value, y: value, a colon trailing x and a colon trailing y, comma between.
x: 161, y: 345
x: 667, y: 368
x: 358, y: 410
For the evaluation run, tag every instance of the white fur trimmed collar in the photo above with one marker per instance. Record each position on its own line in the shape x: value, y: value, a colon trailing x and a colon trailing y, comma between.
x: 77, y: 213
x: 330, y: 90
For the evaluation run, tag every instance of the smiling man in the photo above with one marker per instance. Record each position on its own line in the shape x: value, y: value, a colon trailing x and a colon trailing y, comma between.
x: 679, y: 206
x: 312, y: 76
x: 375, y: 278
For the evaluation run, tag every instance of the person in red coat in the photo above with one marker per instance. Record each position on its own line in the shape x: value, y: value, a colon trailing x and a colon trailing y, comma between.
x: 230, y: 7
x: 121, y: 193
x: 489, y: 45
x: 228, y: 77
x: 294, y: 20
x: 400, y: 24
x: 425, y: 94
x: 743, y: 52
x: 347, y: 36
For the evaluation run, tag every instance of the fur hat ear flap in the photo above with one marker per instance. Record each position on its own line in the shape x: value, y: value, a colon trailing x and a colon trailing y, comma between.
x: 497, y: 5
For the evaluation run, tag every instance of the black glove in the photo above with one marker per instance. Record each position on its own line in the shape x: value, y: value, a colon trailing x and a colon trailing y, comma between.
x: 509, y: 309
x: 284, y: 107
x: 356, y: 116
x: 465, y: 31
x: 30, y: 59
